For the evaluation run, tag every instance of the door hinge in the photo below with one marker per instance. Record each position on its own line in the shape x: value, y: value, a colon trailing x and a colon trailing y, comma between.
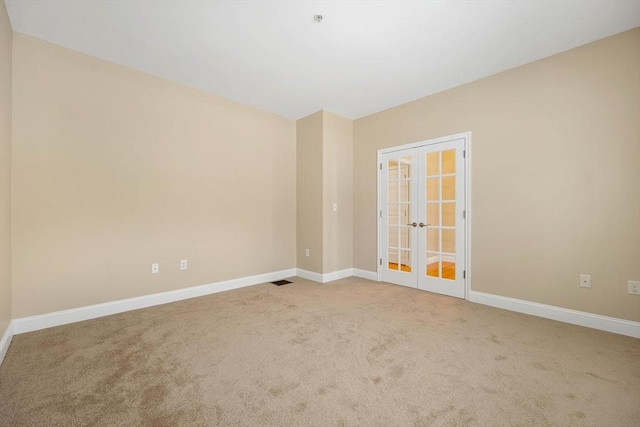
x: 464, y: 274
x: 464, y: 154
x: 380, y: 214
x: 380, y: 261
x: 380, y: 166
x: 464, y: 214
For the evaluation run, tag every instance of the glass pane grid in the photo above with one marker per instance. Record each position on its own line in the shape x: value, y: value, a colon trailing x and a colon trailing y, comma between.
x: 441, y: 214
x: 448, y: 191
x: 440, y: 180
x: 398, y: 209
x: 448, y: 161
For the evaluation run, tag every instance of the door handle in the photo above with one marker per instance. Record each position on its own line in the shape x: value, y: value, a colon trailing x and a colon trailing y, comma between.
x: 422, y: 224
x: 413, y: 224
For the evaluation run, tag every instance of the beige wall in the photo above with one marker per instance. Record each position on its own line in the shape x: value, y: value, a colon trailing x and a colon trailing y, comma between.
x: 6, y: 36
x: 324, y: 177
x: 555, y: 183
x: 115, y: 169
x: 338, y: 188
x: 309, y: 188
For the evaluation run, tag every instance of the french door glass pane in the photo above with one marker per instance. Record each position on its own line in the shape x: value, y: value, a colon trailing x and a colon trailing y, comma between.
x: 449, y: 214
x: 433, y: 213
x: 393, y: 260
x: 433, y: 239
x: 433, y: 189
x: 449, y: 188
x: 448, y: 267
x: 405, y: 189
x: 393, y: 169
x: 405, y: 261
x: 405, y: 217
x: 449, y: 240
x: 405, y: 235
x: 392, y: 237
x: 393, y: 214
x: 433, y: 164
x: 449, y: 161
x: 433, y: 264
x: 392, y: 195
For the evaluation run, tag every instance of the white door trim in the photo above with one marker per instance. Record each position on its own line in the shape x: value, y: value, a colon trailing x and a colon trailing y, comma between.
x: 466, y: 136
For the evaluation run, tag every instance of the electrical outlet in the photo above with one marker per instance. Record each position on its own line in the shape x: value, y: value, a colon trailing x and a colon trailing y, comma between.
x: 183, y: 264
x: 585, y: 281
x: 634, y: 287
x: 155, y: 268
x: 306, y: 252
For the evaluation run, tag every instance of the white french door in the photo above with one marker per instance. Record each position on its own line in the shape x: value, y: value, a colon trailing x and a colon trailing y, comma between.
x: 422, y: 231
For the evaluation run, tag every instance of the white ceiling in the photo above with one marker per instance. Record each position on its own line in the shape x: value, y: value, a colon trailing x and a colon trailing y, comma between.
x: 363, y: 57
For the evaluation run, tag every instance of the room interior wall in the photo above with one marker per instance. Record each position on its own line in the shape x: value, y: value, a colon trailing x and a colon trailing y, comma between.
x: 554, y: 175
x: 309, y: 188
x: 115, y: 169
x: 324, y: 178
x: 6, y: 40
x: 114, y: 177
x: 338, y: 189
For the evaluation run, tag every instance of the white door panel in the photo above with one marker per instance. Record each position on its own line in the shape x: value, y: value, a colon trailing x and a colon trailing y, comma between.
x: 441, y: 208
x: 398, y: 198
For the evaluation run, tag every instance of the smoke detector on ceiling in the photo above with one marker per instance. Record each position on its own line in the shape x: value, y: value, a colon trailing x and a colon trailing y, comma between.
x: 317, y: 17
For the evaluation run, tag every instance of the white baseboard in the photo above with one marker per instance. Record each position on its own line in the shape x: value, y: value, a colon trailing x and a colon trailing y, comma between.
x: 324, y: 278
x: 335, y: 275
x: 64, y: 317
x: 365, y: 274
x: 310, y: 275
x: 5, y: 341
x: 581, y: 318
x: 34, y: 323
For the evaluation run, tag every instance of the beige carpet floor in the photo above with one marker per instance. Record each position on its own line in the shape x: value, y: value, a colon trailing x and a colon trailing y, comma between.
x: 352, y: 352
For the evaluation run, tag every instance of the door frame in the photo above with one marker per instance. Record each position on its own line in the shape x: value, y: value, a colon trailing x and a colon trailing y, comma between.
x: 466, y: 137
